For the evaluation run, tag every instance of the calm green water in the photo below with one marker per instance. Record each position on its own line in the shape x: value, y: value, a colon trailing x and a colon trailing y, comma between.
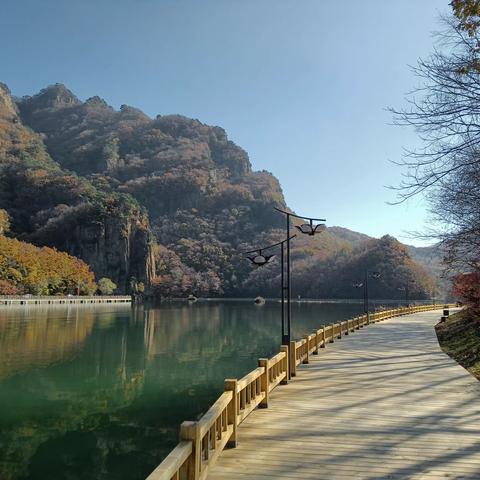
x: 99, y: 392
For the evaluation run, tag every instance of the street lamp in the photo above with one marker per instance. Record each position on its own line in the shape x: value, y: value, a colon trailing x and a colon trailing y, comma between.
x: 307, y: 229
x: 407, y: 291
x: 259, y: 260
x: 364, y: 284
x: 434, y: 292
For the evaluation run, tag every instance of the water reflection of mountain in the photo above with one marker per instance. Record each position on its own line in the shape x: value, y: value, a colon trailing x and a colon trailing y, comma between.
x: 62, y: 388
x: 40, y: 335
x: 41, y: 341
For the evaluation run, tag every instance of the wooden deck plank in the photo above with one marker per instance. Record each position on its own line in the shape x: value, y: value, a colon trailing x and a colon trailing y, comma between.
x: 382, y: 403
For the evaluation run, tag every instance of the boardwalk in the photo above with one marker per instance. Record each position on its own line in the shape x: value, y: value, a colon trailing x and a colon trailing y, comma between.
x: 382, y: 403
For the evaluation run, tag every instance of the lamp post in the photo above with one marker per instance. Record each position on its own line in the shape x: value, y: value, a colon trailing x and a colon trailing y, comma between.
x: 259, y: 259
x: 364, y: 284
x: 307, y: 229
x: 407, y: 292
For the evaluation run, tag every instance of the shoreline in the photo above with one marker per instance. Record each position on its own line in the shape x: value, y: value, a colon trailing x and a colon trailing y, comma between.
x: 19, y: 300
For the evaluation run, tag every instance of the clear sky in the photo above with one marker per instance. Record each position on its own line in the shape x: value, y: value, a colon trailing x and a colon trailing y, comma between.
x: 302, y: 85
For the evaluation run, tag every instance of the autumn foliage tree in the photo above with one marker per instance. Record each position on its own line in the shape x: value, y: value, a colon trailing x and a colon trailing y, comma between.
x: 4, y: 221
x: 6, y: 288
x: 25, y: 268
x: 467, y: 288
x: 468, y: 14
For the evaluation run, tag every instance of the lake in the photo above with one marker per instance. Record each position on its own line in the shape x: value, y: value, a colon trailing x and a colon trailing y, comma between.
x: 99, y: 392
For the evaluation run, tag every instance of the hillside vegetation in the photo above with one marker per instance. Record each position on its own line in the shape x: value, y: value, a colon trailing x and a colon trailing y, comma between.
x: 459, y: 337
x: 169, y: 202
x: 25, y: 268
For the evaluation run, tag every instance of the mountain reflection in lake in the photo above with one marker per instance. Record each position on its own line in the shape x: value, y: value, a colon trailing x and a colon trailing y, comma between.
x: 99, y: 392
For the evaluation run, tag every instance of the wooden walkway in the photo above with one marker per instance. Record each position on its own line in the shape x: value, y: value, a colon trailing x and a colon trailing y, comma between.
x: 383, y: 403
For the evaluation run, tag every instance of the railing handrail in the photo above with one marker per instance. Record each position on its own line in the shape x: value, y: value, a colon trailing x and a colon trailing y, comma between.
x: 214, y: 412
x: 249, y: 378
x: 277, y: 358
x: 174, y: 460
x: 202, y: 441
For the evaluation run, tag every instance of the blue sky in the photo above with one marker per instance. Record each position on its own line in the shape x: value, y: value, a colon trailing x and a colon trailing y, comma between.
x: 302, y: 85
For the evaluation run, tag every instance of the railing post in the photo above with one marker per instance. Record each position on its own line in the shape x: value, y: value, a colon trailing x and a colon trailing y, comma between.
x: 307, y: 344
x: 293, y: 358
x: 339, y: 330
x: 348, y: 327
x: 264, y: 381
x: 190, y: 431
x: 315, y: 352
x: 324, y: 344
x: 284, y: 348
x: 232, y: 410
x: 333, y: 330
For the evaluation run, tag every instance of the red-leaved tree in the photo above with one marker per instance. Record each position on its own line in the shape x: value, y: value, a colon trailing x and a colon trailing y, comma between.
x: 466, y: 286
x: 6, y: 288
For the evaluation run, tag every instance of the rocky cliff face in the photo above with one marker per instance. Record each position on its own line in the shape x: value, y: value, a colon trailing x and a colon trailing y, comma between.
x: 115, y: 248
x: 118, y: 246
x: 51, y: 206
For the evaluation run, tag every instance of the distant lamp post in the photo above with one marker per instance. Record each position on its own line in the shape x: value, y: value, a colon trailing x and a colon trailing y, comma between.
x: 306, y: 229
x: 364, y: 284
x: 406, y: 289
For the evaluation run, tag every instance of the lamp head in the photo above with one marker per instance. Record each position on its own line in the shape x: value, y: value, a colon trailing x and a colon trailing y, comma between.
x: 259, y: 260
x: 310, y: 229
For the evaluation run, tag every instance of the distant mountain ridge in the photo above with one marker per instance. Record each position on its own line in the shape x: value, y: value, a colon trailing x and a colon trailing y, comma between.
x: 355, y: 238
x: 169, y: 201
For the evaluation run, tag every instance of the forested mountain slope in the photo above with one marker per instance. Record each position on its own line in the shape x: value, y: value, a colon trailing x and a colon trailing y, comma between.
x: 49, y: 205
x: 169, y: 201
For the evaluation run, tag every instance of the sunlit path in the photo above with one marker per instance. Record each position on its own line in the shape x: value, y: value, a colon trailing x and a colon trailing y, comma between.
x: 384, y: 403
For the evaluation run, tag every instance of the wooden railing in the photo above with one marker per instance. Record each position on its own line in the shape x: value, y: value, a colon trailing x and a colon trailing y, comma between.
x: 201, y: 442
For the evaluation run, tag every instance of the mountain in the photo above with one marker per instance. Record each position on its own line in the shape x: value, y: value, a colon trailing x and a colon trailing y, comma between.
x: 336, y: 275
x: 167, y: 201
x: 354, y: 238
x: 431, y: 258
x: 49, y: 205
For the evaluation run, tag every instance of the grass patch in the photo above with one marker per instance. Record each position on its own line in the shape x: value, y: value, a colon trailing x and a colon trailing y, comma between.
x: 459, y: 337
